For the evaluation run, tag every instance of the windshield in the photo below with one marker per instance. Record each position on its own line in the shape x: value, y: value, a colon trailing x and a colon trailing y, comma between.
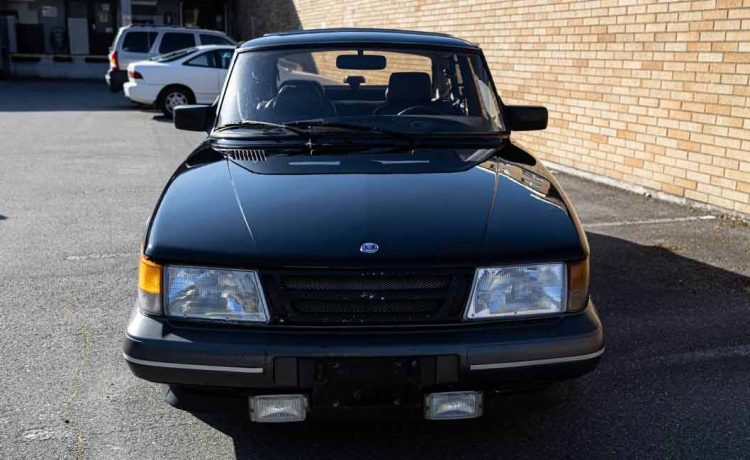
x: 174, y: 55
x: 407, y: 90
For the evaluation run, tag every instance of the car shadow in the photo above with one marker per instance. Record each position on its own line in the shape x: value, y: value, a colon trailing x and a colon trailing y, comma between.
x: 60, y: 95
x: 661, y: 311
x: 162, y: 118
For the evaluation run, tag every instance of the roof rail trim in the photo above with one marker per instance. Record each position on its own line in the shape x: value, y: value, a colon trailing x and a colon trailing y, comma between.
x: 359, y: 29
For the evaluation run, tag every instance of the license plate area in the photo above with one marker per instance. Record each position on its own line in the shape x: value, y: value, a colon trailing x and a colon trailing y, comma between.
x: 353, y: 383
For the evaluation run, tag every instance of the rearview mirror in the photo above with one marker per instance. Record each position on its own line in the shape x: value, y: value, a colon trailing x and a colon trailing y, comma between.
x: 360, y: 62
x: 526, y: 117
x: 193, y: 117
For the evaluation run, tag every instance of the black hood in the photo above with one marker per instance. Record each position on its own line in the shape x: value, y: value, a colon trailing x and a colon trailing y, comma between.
x: 223, y: 214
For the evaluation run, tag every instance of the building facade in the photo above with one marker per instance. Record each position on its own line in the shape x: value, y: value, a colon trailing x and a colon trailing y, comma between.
x: 71, y: 38
x: 651, y: 95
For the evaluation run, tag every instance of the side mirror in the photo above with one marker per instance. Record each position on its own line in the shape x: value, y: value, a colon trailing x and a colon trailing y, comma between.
x: 193, y: 117
x: 526, y: 117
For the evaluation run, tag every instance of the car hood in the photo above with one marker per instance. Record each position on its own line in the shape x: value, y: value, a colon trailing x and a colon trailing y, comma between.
x: 223, y: 214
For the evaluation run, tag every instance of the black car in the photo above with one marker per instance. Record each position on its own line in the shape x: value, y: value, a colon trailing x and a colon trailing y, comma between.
x: 359, y: 235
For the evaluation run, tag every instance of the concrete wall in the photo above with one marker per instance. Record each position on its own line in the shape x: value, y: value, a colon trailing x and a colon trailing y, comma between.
x: 652, y: 94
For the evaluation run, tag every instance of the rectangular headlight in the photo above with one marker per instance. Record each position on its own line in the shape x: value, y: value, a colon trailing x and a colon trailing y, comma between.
x: 522, y: 290
x: 212, y: 294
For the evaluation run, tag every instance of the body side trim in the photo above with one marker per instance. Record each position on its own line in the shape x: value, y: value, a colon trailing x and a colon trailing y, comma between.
x: 537, y: 362
x: 194, y: 367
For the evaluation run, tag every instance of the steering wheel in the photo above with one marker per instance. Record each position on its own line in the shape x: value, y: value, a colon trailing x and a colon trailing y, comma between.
x: 420, y: 110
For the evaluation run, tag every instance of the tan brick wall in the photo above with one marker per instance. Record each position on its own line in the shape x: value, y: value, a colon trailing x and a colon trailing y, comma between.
x: 653, y: 93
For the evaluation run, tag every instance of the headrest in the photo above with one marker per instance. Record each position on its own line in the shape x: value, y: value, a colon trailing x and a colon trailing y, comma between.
x: 409, y: 87
x: 297, y: 94
x: 311, y: 84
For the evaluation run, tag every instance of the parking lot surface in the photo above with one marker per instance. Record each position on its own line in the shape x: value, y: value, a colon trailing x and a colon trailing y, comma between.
x: 80, y: 172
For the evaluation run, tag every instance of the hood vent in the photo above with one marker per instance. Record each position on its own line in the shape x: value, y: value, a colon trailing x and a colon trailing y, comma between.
x: 254, y: 155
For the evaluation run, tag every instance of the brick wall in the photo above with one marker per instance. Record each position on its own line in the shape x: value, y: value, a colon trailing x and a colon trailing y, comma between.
x: 650, y: 93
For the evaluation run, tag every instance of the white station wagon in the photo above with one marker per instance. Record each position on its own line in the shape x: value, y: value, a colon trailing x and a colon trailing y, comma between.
x: 188, y: 76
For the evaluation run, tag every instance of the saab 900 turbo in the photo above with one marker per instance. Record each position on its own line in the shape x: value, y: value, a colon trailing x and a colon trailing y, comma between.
x: 359, y: 234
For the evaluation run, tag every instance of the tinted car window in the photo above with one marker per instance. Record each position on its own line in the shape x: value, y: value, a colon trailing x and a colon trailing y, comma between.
x: 173, y: 41
x: 395, y: 88
x: 138, y: 42
x: 202, y: 60
x: 207, y: 39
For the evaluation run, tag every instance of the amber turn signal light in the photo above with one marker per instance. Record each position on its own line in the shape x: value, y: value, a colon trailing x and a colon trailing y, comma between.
x: 578, y: 282
x: 149, y: 276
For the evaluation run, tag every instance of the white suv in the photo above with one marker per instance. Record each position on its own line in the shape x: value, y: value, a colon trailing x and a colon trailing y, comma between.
x: 139, y: 42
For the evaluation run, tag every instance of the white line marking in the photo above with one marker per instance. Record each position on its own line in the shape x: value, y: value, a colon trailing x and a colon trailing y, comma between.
x: 100, y: 256
x: 666, y: 220
x: 739, y: 351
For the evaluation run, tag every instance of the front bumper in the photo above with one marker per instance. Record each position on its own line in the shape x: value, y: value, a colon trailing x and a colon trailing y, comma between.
x: 278, y: 359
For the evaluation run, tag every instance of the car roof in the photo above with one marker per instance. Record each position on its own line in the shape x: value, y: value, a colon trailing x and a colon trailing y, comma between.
x: 171, y: 28
x: 214, y: 47
x: 359, y: 36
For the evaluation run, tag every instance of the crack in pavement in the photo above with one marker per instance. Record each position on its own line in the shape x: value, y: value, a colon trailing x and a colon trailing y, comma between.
x: 82, y: 333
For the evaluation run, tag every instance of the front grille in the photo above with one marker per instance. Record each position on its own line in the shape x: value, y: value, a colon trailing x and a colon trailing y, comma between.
x: 363, y: 298
x: 345, y: 307
x: 366, y: 283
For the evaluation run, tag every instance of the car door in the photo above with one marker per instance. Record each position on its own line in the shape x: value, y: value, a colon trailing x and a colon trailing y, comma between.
x: 199, y: 73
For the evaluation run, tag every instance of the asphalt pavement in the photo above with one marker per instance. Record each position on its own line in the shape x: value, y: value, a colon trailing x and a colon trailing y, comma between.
x: 80, y: 172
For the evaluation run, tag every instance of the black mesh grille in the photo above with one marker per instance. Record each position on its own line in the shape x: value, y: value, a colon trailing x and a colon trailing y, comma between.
x: 372, y: 282
x: 365, y: 306
x: 353, y: 297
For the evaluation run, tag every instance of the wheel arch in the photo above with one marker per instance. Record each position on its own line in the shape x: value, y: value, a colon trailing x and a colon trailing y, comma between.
x: 171, y: 86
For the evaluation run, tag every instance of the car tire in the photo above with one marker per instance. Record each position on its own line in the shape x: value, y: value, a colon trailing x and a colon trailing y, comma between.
x: 173, y: 96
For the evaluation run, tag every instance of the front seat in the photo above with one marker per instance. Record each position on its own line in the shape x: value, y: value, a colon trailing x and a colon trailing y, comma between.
x: 405, y: 89
x: 299, y: 102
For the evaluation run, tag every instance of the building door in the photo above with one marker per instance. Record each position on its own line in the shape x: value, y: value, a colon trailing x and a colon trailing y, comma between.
x: 92, y: 25
x: 77, y: 21
x: 103, y: 25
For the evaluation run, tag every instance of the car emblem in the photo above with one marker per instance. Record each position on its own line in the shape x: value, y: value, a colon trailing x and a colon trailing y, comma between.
x: 369, y: 248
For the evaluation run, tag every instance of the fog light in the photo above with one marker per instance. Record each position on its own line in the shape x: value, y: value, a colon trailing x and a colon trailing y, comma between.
x: 278, y: 408
x: 453, y: 405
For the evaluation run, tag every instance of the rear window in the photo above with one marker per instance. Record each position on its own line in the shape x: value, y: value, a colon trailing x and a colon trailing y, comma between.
x: 173, y: 41
x: 202, y: 60
x: 210, y: 39
x: 138, y: 42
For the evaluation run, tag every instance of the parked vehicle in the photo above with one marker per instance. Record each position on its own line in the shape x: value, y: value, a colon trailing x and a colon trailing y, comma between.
x: 188, y: 76
x: 138, y: 42
x: 359, y: 234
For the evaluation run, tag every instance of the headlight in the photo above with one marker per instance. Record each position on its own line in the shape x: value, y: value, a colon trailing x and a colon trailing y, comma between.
x: 220, y: 295
x: 524, y: 290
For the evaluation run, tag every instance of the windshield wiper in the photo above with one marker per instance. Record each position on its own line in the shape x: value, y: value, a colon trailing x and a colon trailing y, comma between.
x: 320, y: 123
x: 265, y: 125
